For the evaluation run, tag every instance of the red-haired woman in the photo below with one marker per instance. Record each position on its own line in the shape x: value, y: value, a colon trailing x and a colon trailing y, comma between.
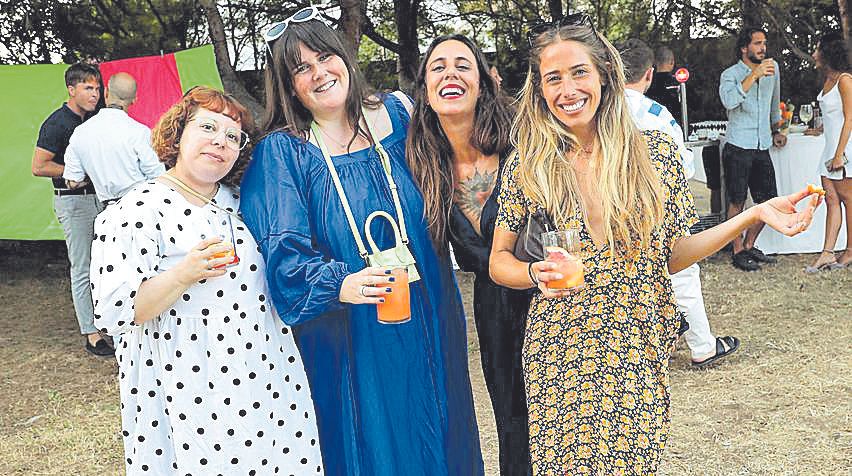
x: 211, y: 380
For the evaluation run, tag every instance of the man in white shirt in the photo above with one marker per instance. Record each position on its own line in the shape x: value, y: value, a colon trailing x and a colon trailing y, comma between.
x: 113, y: 151
x: 650, y: 115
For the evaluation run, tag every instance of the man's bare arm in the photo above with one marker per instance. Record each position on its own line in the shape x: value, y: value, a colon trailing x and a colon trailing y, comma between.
x: 43, y: 164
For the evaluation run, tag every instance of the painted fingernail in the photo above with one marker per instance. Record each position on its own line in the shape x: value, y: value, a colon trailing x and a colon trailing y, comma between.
x: 387, y: 271
x: 381, y: 299
x: 392, y: 279
x: 388, y: 290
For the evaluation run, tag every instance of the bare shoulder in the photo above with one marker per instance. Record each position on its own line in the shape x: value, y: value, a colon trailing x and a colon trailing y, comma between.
x: 844, y: 82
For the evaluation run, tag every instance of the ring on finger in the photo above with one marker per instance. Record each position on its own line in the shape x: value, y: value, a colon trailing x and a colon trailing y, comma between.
x: 362, y: 291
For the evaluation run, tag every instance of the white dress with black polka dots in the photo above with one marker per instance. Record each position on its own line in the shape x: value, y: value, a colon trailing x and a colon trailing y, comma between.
x: 215, y: 384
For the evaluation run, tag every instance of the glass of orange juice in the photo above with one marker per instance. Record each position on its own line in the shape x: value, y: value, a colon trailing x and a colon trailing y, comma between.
x: 397, y: 306
x: 562, y: 247
x: 232, y: 252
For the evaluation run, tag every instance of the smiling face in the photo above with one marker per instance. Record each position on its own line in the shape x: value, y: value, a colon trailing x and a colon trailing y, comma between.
x: 321, y: 82
x: 570, y: 85
x: 452, y: 79
x: 204, y: 156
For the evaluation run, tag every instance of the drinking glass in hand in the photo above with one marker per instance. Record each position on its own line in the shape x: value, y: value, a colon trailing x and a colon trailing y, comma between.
x: 806, y: 113
x: 397, y: 306
x: 562, y: 247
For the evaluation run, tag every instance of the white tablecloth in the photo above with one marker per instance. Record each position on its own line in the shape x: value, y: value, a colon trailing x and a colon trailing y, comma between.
x: 796, y: 165
x: 698, y: 164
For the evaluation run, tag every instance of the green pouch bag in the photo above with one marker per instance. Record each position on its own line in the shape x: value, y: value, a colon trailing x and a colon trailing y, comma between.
x: 397, y: 257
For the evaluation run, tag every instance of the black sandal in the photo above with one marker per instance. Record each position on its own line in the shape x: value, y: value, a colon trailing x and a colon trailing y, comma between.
x: 724, y: 346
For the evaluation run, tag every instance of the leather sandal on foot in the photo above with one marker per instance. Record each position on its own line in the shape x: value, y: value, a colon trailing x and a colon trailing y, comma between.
x: 823, y: 267
x: 725, y: 346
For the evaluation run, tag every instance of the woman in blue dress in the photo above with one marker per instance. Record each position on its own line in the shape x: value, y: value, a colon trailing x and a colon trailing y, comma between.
x: 390, y: 399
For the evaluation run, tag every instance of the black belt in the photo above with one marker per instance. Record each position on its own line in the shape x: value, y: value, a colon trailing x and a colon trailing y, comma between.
x: 67, y: 191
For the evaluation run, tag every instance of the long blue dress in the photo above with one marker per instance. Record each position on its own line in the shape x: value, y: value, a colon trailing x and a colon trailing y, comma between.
x: 390, y: 399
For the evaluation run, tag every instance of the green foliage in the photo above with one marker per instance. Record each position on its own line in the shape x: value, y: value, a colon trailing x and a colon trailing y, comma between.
x: 701, y: 32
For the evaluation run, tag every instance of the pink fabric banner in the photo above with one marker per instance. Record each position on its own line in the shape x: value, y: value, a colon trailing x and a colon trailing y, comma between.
x: 157, y: 81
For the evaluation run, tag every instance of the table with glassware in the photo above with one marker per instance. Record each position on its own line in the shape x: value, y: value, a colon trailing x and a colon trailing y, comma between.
x: 796, y: 166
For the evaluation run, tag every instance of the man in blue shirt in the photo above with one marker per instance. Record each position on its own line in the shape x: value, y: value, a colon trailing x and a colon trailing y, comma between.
x: 750, y: 91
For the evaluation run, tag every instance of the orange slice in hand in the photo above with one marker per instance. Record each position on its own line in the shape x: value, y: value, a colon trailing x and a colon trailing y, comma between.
x: 816, y: 189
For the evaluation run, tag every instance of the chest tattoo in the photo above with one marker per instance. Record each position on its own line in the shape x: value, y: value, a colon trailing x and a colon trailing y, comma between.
x: 472, y: 192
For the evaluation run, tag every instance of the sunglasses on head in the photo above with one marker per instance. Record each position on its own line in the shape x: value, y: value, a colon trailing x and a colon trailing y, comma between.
x: 574, y: 19
x: 306, y: 14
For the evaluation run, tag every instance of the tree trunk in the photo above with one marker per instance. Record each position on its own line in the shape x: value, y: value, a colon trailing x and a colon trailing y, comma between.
x: 555, y: 7
x: 843, y: 7
x: 229, y: 77
x: 685, y: 28
x: 751, y: 13
x: 350, y: 23
x: 405, y: 13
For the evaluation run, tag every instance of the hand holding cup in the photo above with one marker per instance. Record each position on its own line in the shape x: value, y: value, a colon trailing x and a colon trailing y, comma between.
x: 202, y: 262
x: 765, y: 68
x: 368, y: 286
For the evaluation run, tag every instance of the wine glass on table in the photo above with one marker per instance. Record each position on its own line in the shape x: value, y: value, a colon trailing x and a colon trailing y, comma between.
x: 806, y: 113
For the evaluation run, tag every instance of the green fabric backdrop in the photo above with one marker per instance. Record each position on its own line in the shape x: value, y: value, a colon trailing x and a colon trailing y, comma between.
x: 31, y: 93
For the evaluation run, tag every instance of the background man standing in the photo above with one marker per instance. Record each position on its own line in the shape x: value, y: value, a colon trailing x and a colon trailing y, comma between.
x: 750, y: 90
x: 111, y: 148
x: 75, y: 209
x: 648, y: 114
x: 664, y: 88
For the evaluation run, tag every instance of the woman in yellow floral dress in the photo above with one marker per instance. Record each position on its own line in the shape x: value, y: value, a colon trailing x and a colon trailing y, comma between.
x: 596, y: 357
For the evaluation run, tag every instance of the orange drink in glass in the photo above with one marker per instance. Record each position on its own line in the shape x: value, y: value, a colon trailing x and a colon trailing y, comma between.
x: 224, y: 254
x: 562, y: 248
x: 397, y: 306
x: 235, y: 260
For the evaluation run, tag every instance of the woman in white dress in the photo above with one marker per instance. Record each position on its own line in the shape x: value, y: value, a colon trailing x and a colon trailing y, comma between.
x: 211, y: 381
x: 835, y: 102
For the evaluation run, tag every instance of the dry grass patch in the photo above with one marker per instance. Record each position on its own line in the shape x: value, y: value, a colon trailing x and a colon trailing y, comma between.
x: 781, y: 405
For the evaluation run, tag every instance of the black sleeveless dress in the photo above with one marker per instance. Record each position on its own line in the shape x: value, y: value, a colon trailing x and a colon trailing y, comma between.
x: 500, y: 316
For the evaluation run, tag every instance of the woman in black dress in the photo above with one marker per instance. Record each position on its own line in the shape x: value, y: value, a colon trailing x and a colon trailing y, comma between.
x: 458, y: 140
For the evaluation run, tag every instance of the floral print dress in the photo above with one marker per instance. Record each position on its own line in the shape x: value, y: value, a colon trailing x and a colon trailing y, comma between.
x: 596, y: 363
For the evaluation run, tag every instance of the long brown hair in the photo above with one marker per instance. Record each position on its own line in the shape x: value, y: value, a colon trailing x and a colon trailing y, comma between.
x: 284, y: 111
x: 428, y: 151
x: 630, y: 191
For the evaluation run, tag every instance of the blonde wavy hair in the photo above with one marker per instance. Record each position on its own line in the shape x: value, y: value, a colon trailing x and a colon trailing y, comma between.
x: 629, y: 184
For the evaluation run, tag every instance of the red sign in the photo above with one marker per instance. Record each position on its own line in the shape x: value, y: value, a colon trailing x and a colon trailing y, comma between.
x: 682, y: 75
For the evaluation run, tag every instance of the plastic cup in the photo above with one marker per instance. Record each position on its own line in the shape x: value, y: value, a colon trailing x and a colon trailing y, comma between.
x: 397, y: 306
x: 562, y: 248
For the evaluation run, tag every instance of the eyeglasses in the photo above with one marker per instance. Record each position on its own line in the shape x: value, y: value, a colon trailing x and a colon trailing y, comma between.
x: 574, y: 19
x: 235, y: 139
x: 275, y: 31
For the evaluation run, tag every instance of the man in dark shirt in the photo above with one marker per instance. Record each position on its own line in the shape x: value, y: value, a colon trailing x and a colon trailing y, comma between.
x: 664, y: 88
x: 75, y: 209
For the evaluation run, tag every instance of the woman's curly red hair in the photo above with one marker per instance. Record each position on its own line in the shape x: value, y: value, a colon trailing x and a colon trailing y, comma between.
x: 166, y: 135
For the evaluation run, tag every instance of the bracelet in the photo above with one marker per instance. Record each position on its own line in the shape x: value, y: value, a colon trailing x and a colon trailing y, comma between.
x: 532, y: 276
